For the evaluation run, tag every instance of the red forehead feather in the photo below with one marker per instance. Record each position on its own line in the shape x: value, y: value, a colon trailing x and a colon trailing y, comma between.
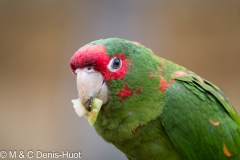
x: 89, y: 55
x: 96, y: 55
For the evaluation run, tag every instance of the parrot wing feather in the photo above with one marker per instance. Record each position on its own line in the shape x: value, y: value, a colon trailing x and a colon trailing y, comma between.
x: 199, y: 120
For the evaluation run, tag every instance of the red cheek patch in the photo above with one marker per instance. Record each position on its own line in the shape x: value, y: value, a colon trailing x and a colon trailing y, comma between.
x: 126, y: 92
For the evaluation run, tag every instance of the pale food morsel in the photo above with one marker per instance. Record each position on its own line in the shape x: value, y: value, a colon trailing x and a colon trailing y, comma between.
x: 81, y: 110
x: 95, y: 108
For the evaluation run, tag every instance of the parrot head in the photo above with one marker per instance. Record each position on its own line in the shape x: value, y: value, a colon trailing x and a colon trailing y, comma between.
x: 125, y: 76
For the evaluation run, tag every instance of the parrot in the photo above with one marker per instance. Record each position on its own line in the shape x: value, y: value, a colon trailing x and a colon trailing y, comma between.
x: 153, y: 108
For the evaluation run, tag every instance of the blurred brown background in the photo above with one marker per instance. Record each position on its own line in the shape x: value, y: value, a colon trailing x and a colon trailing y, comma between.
x: 37, y: 39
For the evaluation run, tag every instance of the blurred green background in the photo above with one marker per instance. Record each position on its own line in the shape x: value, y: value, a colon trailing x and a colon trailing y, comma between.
x: 37, y: 39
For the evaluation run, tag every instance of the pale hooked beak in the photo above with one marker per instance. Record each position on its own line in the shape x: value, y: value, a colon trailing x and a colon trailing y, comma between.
x: 90, y: 84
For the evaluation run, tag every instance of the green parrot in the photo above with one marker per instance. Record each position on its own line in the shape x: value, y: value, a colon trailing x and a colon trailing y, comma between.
x: 153, y: 108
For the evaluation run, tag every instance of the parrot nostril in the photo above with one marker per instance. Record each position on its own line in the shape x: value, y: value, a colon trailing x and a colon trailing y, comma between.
x: 90, y: 69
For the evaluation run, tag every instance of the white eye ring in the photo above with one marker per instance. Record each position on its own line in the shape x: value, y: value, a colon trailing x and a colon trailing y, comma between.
x: 114, y: 64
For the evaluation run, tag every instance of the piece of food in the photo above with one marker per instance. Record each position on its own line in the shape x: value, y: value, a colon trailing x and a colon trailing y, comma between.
x: 91, y: 116
x: 95, y: 108
x: 79, y: 108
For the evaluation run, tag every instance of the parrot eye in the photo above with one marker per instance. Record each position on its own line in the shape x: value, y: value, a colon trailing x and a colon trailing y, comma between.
x: 114, y: 64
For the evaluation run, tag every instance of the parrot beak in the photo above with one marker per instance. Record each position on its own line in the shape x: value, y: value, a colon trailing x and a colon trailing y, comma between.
x: 91, y: 84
